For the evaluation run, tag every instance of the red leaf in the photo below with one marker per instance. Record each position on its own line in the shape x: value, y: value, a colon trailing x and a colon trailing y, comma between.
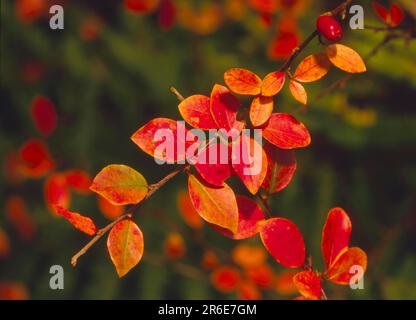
x: 195, y: 110
x: 396, y: 15
x: 36, y: 160
x: 120, y: 184
x: 273, y: 83
x: 79, y: 180
x: 281, y: 168
x: 249, y: 214
x: 80, y: 222
x: 56, y: 192
x: 224, y: 107
x: 341, y: 270
x: 174, y: 246
x: 213, y: 163
x: 335, y: 235
x: 158, y: 135
x: 381, y: 11
x: 19, y: 216
x: 261, y: 109
x: 249, y: 162
x: 308, y: 284
x: 141, y: 6
x: 44, y: 115
x: 248, y: 291
x: 225, y: 279
x: 283, y: 240
x: 242, y: 81
x: 261, y: 275
x: 285, y: 132
x: 167, y: 14
x: 125, y: 245
x: 283, y: 44
x: 13, y: 291
x: 215, y: 205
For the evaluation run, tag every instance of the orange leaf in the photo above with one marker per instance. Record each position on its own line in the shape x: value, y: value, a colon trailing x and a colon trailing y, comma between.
x: 249, y: 162
x: 281, y: 168
x: 242, y: 81
x: 272, y: 83
x: 187, y: 210
x: 312, y: 68
x: 174, y: 246
x: 285, y: 132
x: 56, y: 192
x: 80, y: 222
x: 248, y: 291
x: 340, y: 272
x: 225, y: 279
x: 248, y: 256
x: 216, y: 205
x: 249, y: 214
x: 125, y: 245
x: 283, y: 240
x: 284, y: 282
x: 298, y: 92
x: 335, y: 235
x: 261, y: 109
x: 308, y: 284
x: 19, y: 216
x: 345, y: 58
x: 195, y: 110
x: 224, y: 107
x: 160, y: 132
x: 120, y: 184
x: 109, y: 210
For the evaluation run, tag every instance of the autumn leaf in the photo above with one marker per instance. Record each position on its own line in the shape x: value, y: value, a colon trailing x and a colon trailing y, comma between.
x: 308, y: 284
x: 34, y: 159
x: 109, y: 210
x: 261, y: 275
x: 56, y: 192
x: 167, y: 132
x: 283, y: 240
x: 298, y: 92
x: 125, y: 245
x: 335, y: 235
x: 225, y: 279
x: 281, y: 168
x: 396, y: 15
x: 341, y: 270
x: 247, y: 290
x: 345, y: 58
x: 285, y: 132
x: 213, y: 163
x: 79, y: 221
x: 187, y: 210
x: 174, y: 246
x: 195, y: 110
x: 44, y: 115
x: 216, y: 205
x: 4, y: 244
x: 312, y: 68
x: 120, y: 184
x: 141, y: 6
x: 249, y: 214
x: 249, y: 162
x: 242, y: 81
x: 78, y: 180
x: 272, y: 83
x: 19, y: 216
x: 167, y: 14
x: 261, y: 109
x: 224, y: 107
x: 248, y: 256
x: 381, y: 11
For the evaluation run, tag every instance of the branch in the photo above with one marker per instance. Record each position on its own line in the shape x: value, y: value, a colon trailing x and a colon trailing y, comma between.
x: 298, y: 50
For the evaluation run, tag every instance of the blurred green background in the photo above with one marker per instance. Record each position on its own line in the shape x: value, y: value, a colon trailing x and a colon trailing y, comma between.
x: 362, y: 156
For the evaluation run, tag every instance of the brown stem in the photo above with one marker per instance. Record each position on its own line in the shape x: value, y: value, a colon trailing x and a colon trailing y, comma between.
x: 265, y: 204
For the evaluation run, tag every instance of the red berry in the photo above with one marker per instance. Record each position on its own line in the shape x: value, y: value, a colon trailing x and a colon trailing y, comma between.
x: 329, y: 27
